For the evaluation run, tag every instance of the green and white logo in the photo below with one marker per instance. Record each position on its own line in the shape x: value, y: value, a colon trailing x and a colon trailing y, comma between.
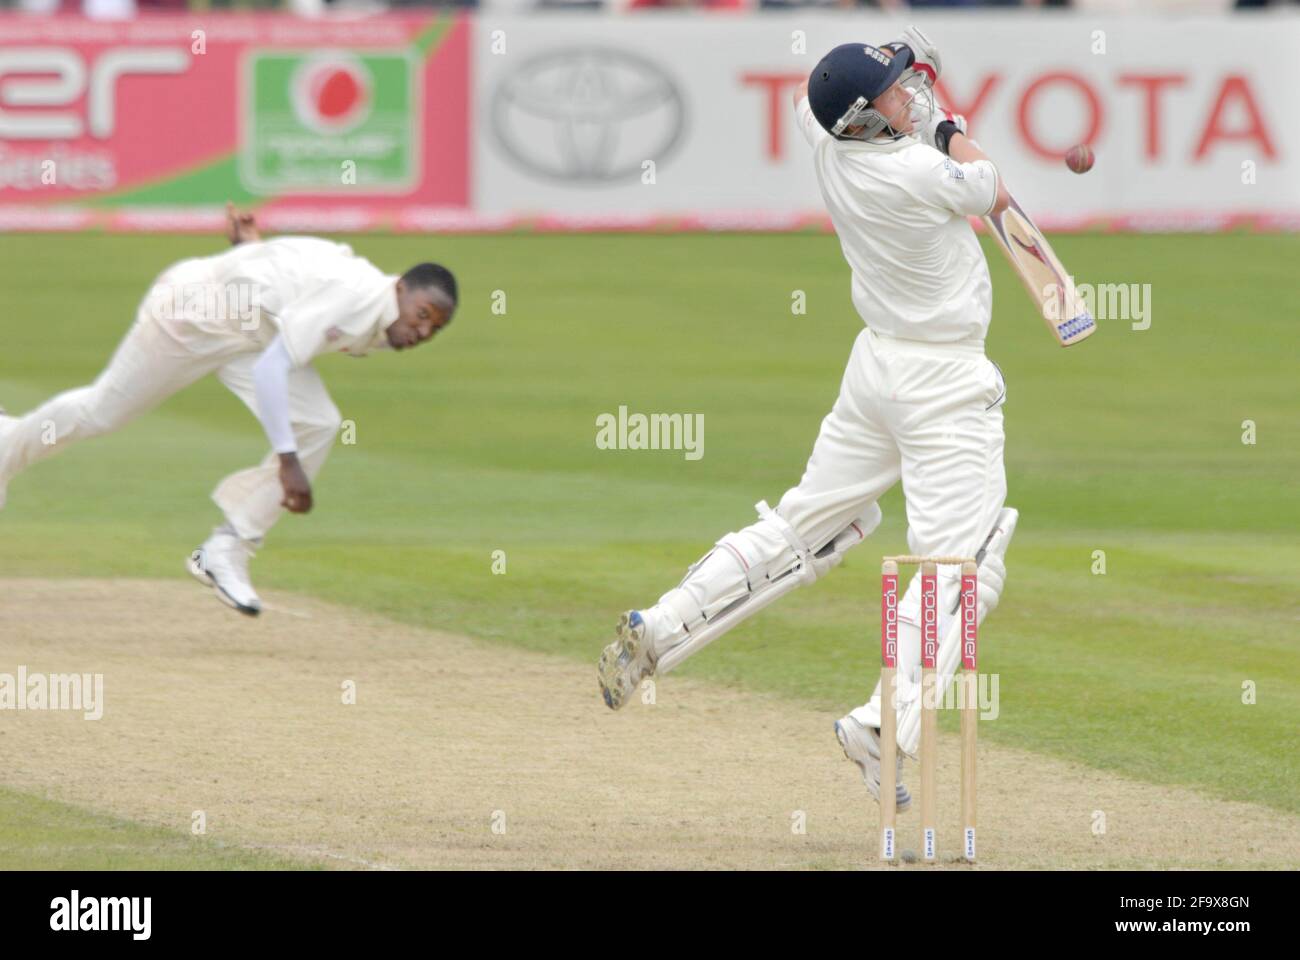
x: 330, y: 121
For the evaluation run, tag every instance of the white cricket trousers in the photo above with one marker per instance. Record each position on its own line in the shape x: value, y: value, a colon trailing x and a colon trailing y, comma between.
x: 149, y: 366
x: 928, y: 414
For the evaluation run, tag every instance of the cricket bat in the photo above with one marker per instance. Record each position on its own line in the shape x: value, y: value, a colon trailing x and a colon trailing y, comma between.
x: 1049, y: 286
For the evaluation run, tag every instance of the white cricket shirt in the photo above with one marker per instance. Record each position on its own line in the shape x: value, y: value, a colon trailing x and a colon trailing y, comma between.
x: 900, y: 211
x: 318, y: 295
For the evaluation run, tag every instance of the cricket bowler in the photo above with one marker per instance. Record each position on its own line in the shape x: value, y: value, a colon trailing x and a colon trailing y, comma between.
x: 919, y: 401
x: 256, y: 316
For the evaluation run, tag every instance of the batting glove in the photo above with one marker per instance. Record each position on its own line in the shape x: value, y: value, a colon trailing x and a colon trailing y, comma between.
x: 925, y: 55
x: 937, y: 129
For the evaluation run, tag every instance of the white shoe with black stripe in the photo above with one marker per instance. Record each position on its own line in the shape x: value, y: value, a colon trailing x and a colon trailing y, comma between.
x: 222, y: 563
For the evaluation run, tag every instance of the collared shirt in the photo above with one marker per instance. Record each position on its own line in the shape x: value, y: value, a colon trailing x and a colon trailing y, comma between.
x: 318, y: 295
x: 899, y: 208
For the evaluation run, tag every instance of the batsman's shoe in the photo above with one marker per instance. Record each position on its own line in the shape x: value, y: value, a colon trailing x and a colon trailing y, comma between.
x: 862, y: 746
x: 222, y: 563
x: 625, y: 662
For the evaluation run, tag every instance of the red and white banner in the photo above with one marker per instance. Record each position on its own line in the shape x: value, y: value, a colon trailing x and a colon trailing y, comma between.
x: 664, y: 121
x: 152, y: 124
x: 1189, y: 118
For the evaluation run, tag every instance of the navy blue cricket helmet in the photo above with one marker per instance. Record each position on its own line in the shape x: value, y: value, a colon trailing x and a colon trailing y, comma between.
x: 846, y: 80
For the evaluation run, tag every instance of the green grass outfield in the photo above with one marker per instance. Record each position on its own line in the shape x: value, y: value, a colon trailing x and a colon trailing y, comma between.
x: 39, y: 834
x: 1130, y: 443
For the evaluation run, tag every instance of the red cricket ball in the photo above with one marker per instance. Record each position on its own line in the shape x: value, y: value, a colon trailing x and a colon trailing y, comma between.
x: 1080, y: 159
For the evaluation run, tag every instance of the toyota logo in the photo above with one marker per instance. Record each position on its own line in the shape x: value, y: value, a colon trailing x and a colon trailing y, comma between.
x: 588, y: 115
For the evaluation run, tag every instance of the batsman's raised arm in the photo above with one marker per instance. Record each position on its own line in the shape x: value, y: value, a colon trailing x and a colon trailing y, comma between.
x: 964, y: 150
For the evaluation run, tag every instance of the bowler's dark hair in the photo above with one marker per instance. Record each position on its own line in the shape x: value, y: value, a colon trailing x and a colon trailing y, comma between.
x: 431, y: 276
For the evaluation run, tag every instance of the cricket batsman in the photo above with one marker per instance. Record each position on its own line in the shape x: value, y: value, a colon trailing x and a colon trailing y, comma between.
x: 256, y: 316
x: 919, y: 400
